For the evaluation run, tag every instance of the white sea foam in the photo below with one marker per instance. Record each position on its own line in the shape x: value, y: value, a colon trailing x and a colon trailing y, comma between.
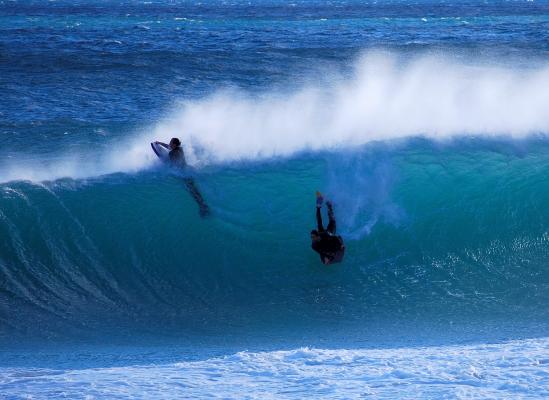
x: 517, y: 369
x: 386, y: 98
x: 134, y: 158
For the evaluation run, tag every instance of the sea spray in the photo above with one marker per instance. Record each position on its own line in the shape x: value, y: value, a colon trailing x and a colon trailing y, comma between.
x: 387, y: 97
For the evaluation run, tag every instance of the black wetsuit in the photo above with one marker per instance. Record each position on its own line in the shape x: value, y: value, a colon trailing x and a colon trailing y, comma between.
x: 330, y: 246
x: 177, y: 157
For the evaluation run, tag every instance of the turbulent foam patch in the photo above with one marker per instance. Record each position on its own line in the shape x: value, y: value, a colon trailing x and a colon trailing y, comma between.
x: 517, y: 369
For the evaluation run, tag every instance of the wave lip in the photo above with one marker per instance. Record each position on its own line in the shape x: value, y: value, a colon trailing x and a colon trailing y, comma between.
x: 386, y: 98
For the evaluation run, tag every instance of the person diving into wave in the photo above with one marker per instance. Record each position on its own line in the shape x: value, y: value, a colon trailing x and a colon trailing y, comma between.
x: 325, y: 241
x: 176, y: 158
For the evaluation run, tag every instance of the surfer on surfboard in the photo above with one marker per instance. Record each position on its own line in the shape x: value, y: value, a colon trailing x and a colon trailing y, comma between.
x: 176, y: 157
x: 325, y: 241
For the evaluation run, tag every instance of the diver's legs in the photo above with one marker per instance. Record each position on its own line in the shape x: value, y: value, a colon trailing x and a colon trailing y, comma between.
x: 332, y: 222
x: 319, y: 220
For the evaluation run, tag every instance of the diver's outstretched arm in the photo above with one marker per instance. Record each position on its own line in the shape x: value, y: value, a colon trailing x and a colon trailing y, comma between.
x: 319, y: 220
x: 203, y: 208
x: 332, y: 222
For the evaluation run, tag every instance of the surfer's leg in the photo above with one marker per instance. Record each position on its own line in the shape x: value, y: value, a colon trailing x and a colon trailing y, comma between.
x: 197, y: 196
x: 319, y: 220
x: 332, y: 222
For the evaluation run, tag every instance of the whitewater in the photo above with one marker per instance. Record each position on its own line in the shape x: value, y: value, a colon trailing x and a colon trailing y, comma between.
x: 426, y: 124
x: 510, y: 370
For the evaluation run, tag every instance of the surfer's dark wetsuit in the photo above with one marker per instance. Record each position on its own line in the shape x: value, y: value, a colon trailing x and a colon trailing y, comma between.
x: 330, y: 246
x: 177, y: 159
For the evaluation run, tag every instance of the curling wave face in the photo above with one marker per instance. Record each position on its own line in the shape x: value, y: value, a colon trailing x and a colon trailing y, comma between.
x: 435, y: 232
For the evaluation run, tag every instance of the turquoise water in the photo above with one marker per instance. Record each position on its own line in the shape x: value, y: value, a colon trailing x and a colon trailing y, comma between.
x: 426, y: 124
x: 434, y: 233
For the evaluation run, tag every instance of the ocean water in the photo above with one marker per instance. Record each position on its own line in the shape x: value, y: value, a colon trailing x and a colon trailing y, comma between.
x: 425, y: 122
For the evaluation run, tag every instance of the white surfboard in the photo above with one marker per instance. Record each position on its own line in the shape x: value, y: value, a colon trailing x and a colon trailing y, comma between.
x: 160, y: 151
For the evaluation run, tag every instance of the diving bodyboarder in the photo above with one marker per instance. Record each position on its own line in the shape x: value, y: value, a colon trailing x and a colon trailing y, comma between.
x: 325, y: 241
x: 177, y: 159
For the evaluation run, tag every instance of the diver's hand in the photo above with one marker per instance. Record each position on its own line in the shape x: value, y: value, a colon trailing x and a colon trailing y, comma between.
x: 319, y: 199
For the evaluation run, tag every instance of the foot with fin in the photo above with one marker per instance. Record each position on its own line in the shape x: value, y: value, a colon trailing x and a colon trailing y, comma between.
x: 319, y: 199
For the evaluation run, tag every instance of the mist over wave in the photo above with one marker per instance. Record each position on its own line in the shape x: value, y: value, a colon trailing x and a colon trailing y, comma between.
x: 126, y: 159
x: 386, y: 98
